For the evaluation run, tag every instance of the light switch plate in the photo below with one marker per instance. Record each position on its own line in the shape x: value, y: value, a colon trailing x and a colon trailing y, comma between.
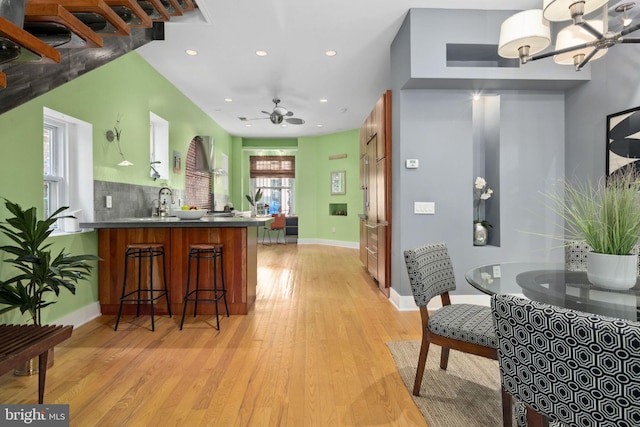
x: 424, y: 208
x: 108, y: 202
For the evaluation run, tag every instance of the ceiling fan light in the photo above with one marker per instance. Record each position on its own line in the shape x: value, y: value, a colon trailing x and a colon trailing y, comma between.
x: 560, y: 10
x: 527, y: 28
x: 574, y: 35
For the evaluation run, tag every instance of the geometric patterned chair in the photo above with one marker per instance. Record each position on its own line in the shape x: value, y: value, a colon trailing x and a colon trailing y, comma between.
x: 463, y: 327
x: 567, y: 366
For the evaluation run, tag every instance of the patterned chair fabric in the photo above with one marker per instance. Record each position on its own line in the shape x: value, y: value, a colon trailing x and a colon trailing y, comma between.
x: 576, y: 368
x: 463, y: 327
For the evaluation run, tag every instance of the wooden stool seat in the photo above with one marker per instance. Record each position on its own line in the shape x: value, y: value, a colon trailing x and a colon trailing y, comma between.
x: 144, y: 252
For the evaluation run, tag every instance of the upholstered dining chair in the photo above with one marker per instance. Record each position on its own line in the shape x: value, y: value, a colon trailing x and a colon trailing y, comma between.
x: 277, y: 224
x: 463, y: 327
x: 567, y: 366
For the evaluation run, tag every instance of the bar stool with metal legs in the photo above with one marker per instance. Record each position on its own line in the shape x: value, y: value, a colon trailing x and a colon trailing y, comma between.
x: 144, y: 252
x: 214, y: 292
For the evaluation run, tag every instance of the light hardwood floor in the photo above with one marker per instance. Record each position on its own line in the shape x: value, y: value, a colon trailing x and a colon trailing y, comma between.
x: 311, y: 352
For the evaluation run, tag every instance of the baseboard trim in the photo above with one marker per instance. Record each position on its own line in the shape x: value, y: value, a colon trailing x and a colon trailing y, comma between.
x: 338, y: 243
x: 81, y: 316
x: 407, y: 303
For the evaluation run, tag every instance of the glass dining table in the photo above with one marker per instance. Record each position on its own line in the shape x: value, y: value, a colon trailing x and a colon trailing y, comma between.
x: 552, y: 283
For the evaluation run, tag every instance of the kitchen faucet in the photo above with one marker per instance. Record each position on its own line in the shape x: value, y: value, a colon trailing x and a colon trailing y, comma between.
x: 163, y: 209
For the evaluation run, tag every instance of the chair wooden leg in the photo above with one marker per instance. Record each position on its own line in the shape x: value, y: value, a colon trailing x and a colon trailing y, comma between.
x: 444, y: 358
x: 507, y: 415
x: 536, y: 419
x: 422, y: 360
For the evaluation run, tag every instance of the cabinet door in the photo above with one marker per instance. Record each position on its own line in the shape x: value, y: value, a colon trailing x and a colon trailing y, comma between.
x: 363, y: 242
x: 372, y: 249
x: 371, y: 205
x: 379, y: 120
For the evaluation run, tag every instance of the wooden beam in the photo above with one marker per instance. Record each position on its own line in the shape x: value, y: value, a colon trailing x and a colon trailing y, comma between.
x: 173, y: 7
x: 93, y: 6
x: 338, y: 156
x: 145, y: 21
x: 187, y: 5
x: 50, y: 12
x: 3, y: 80
x: 163, y: 14
x: 44, y: 52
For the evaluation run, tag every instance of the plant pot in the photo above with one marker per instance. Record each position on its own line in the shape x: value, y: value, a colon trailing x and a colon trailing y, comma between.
x: 612, y: 271
x: 480, y: 234
x: 32, y: 366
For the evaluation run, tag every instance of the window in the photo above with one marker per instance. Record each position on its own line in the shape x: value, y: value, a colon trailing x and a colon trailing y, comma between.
x: 67, y: 166
x: 158, y: 147
x: 275, y: 175
x: 54, y: 139
x: 277, y: 193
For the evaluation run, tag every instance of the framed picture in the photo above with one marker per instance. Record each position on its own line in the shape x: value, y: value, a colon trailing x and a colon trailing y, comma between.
x: 623, y: 140
x: 338, y: 182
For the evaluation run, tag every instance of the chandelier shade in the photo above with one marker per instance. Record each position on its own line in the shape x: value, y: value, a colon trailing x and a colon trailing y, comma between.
x: 527, y: 28
x: 561, y: 10
x: 573, y: 36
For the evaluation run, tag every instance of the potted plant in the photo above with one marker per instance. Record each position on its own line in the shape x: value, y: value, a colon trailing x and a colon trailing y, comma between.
x: 253, y: 201
x: 607, y: 217
x: 39, y: 273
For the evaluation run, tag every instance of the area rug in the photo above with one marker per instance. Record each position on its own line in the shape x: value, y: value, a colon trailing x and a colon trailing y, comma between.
x: 466, y: 394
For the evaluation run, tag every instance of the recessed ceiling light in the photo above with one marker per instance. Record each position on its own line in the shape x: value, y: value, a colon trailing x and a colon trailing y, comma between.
x: 330, y: 52
x: 319, y: 125
x: 283, y: 125
x: 228, y: 100
x: 261, y: 52
x: 324, y: 100
x: 248, y: 125
x: 191, y: 52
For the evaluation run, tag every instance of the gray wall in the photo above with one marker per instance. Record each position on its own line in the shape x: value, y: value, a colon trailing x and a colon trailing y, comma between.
x: 614, y: 87
x: 524, y: 155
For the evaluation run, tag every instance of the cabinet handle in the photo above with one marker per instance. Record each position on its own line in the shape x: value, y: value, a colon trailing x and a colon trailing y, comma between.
x: 371, y: 226
x: 370, y: 251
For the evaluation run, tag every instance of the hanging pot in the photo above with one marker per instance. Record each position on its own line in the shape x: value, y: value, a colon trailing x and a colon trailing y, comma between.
x: 612, y: 271
x: 480, y: 234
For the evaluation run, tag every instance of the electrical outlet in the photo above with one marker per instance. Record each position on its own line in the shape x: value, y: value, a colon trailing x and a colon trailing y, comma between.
x: 333, y: 230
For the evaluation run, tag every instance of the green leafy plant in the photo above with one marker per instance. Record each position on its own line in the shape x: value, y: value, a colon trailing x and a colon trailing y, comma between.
x: 39, y: 272
x: 605, y: 215
x: 256, y: 198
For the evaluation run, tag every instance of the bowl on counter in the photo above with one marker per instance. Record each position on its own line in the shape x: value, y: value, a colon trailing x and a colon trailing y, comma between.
x: 190, y: 214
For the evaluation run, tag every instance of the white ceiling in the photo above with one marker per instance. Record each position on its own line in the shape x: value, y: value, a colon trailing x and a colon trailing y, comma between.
x: 295, y: 33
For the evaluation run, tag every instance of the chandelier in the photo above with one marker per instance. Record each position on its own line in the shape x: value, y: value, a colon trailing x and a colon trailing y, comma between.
x: 526, y: 34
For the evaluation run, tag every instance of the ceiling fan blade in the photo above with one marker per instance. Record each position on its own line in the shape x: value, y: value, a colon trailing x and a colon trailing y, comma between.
x: 289, y: 113
x: 295, y: 121
x: 266, y: 112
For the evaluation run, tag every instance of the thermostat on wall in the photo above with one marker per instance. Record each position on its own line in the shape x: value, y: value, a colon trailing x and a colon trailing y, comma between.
x: 411, y: 164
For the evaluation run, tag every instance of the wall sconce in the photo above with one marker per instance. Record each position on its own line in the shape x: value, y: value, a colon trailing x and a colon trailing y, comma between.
x: 154, y: 172
x: 114, y: 135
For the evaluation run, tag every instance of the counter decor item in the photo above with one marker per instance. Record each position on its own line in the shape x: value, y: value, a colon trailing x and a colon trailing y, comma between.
x: 38, y: 272
x: 190, y: 213
x: 480, y: 226
x: 253, y: 201
x: 607, y: 217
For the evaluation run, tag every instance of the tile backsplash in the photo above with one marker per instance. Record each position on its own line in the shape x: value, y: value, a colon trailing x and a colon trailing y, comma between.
x: 128, y: 200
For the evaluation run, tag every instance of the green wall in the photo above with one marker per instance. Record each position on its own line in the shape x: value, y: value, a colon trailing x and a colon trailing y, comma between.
x: 128, y: 87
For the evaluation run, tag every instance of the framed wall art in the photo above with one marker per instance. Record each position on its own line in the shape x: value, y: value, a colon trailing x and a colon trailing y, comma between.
x: 623, y: 140
x: 338, y: 184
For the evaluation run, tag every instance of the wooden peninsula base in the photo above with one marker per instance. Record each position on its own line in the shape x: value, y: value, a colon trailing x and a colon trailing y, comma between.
x: 240, y: 260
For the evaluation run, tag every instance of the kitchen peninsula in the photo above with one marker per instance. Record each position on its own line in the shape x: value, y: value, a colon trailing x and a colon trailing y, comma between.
x: 239, y: 235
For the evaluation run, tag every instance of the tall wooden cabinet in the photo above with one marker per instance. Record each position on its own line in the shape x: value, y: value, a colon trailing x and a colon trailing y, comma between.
x: 375, y: 182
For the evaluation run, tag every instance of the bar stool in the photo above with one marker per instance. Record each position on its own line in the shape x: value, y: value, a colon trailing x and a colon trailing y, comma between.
x: 211, y: 252
x: 144, y: 252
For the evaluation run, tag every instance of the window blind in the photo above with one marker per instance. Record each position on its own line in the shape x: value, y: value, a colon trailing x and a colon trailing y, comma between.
x: 272, y: 166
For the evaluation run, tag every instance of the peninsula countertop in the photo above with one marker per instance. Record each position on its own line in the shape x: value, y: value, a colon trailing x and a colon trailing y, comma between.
x: 207, y: 221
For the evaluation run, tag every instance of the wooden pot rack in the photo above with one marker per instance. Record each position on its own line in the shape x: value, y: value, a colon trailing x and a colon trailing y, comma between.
x: 78, y: 17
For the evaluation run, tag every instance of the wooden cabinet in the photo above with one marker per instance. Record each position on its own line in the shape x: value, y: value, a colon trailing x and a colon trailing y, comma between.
x: 291, y: 229
x: 375, y: 175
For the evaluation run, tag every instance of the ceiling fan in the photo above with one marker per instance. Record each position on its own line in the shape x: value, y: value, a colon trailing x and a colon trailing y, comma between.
x: 278, y: 115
